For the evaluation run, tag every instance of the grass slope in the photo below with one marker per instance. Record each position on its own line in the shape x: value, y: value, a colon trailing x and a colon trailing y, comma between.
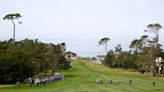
x: 83, y: 76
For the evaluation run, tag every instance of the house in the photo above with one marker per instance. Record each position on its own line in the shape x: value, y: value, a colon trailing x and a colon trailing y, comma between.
x: 71, y: 55
x: 160, y: 64
x: 99, y: 59
x: 159, y: 60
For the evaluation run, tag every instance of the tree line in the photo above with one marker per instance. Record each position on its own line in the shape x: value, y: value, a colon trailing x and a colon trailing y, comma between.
x: 27, y: 58
x: 142, y: 54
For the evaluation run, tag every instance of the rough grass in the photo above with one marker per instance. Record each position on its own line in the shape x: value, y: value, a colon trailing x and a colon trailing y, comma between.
x: 82, y: 78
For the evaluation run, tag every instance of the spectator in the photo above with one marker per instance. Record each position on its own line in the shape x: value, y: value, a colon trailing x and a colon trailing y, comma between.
x: 130, y: 82
x: 153, y: 84
x: 110, y: 81
x: 18, y: 83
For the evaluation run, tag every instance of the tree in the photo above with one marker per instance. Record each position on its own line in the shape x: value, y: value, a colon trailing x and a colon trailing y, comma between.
x: 27, y: 58
x: 109, y: 59
x: 118, y: 51
x: 154, y: 28
x: 139, y: 44
x: 104, y: 42
x: 135, y: 44
x: 127, y: 60
x: 143, y: 41
x: 154, y: 48
x: 12, y: 17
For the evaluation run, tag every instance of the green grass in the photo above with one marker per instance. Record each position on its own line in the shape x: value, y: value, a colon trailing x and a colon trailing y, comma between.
x: 82, y: 78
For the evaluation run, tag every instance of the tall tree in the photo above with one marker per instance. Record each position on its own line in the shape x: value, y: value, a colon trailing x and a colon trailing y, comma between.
x: 143, y: 40
x: 154, y: 28
x: 13, y: 17
x: 154, y: 46
x: 104, y: 42
x: 135, y: 44
x: 138, y: 44
x: 118, y: 51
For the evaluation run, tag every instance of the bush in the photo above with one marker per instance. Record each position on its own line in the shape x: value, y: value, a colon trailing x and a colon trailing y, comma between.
x: 142, y: 71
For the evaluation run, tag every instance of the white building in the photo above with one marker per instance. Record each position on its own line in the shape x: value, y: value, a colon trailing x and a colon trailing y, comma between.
x: 99, y: 59
x: 71, y: 55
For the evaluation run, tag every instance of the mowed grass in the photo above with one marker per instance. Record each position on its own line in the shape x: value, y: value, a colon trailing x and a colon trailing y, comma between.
x: 82, y: 78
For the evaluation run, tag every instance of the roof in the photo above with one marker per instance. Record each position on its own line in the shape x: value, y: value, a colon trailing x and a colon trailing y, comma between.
x: 69, y: 52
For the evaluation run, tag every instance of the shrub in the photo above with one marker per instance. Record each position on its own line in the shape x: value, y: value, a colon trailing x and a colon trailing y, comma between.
x: 142, y: 71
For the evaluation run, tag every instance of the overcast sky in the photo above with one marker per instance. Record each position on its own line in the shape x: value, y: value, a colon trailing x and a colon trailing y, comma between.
x: 82, y: 23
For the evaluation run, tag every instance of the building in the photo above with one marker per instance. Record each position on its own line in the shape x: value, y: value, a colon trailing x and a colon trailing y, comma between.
x: 159, y: 61
x: 99, y: 59
x: 71, y: 55
x: 160, y: 64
